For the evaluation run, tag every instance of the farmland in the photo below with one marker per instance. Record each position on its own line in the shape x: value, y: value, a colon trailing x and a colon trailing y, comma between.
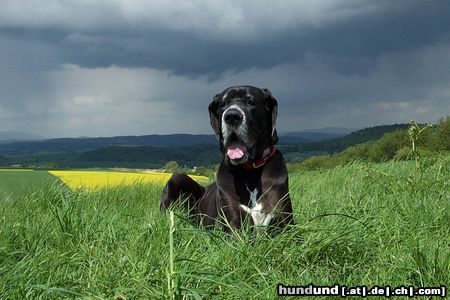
x: 17, y: 182
x: 95, y: 180
x: 358, y: 224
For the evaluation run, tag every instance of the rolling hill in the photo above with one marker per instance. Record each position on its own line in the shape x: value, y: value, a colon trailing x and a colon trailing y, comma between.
x: 155, y: 140
x: 84, y: 144
x: 186, y: 155
x: 357, y: 137
x: 3, y: 160
x: 153, y: 151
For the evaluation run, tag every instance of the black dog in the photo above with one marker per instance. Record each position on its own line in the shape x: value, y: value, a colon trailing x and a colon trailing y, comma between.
x: 252, y: 178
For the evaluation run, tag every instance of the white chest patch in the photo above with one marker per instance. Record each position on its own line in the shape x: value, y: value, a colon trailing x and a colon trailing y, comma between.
x: 260, y: 218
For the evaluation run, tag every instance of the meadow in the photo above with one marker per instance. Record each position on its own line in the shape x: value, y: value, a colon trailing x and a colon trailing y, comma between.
x: 358, y: 224
x: 21, y: 181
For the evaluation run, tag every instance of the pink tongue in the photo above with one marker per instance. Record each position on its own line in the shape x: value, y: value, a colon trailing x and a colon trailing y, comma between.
x: 235, y: 152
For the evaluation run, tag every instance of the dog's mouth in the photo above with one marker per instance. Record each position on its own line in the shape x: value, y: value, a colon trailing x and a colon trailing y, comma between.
x: 236, y: 152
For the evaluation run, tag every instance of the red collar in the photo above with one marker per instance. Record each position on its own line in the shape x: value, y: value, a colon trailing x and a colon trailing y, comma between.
x: 260, y: 162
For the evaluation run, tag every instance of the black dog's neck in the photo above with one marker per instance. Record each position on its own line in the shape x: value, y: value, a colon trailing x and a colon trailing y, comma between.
x: 247, y: 182
x: 242, y: 182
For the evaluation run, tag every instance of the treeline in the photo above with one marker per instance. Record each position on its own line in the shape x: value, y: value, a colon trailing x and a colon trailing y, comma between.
x: 392, y: 145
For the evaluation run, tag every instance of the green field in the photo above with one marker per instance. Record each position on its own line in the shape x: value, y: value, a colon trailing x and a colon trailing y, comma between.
x: 19, y: 182
x: 359, y: 224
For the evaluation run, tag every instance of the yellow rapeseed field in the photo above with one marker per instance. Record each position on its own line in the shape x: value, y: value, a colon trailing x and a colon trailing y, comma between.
x: 95, y: 180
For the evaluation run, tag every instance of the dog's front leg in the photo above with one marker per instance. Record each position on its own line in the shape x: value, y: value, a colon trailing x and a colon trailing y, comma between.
x: 231, y: 215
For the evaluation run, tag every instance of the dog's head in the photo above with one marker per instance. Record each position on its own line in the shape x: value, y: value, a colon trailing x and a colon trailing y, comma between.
x: 243, y: 118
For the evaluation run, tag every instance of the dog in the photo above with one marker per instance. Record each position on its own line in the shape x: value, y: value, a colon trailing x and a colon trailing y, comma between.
x: 252, y: 179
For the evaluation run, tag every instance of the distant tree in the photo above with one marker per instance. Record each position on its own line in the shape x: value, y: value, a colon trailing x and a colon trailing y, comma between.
x: 442, y: 135
x: 358, y: 152
x: 172, y: 166
x: 386, y: 147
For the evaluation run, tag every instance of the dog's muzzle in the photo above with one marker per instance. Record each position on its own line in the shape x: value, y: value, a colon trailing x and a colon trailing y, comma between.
x: 235, y: 133
x: 233, y: 118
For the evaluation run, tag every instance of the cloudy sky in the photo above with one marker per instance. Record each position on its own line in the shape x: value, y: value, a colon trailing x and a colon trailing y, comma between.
x: 132, y: 67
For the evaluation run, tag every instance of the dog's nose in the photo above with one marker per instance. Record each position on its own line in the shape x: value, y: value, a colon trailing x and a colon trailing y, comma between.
x: 233, y: 117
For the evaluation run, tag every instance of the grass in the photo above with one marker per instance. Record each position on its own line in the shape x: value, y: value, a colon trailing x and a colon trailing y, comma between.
x: 360, y: 224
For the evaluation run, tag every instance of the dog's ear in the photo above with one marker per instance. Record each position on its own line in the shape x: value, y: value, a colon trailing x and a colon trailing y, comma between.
x: 271, y: 106
x: 213, y: 109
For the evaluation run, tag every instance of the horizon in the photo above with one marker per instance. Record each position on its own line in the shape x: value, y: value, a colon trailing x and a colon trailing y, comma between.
x: 103, y: 69
x: 324, y: 130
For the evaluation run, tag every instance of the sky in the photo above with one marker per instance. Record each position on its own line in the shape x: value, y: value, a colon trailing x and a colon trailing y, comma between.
x: 135, y: 67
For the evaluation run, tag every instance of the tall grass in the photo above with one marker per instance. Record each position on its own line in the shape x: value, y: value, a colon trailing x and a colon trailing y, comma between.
x: 360, y: 224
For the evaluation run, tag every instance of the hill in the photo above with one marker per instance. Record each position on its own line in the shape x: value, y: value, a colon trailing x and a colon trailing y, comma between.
x: 208, y: 154
x: 424, y: 141
x: 84, y: 144
x: 196, y: 155
x: 153, y: 151
x: 89, y: 143
x: 8, y: 136
x: 306, y: 137
x: 3, y: 160
x: 313, y: 141
x: 333, y: 130
x: 314, y: 135
x: 360, y: 136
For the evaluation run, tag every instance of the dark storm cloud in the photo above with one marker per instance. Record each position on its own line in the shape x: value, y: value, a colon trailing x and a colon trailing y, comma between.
x: 350, y: 46
x: 350, y: 43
